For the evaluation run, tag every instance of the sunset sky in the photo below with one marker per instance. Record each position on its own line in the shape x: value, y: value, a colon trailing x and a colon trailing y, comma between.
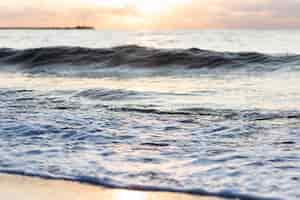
x: 152, y: 14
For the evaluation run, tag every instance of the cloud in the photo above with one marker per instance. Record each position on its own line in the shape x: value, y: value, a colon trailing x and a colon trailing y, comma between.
x: 67, y: 14
x: 235, y: 14
x: 185, y: 14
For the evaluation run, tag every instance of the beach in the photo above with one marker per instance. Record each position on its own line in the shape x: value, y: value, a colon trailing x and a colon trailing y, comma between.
x: 200, y: 112
x: 14, y: 187
x: 149, y: 100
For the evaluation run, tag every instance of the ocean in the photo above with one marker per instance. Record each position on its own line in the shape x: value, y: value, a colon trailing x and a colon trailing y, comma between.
x: 211, y: 112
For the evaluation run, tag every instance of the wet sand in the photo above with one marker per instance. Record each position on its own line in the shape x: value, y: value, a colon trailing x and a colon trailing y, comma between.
x: 28, y: 188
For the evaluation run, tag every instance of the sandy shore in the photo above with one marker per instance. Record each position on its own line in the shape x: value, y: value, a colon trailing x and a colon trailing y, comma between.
x: 27, y: 188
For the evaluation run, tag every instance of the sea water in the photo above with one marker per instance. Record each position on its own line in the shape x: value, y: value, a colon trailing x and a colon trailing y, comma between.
x: 213, y: 112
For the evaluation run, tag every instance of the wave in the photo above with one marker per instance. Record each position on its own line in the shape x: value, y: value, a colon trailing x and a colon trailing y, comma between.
x: 113, y: 95
x: 104, y: 182
x: 249, y: 115
x: 136, y: 56
x: 106, y: 94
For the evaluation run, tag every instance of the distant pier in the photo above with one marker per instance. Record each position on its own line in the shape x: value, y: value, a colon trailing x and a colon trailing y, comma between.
x: 49, y: 28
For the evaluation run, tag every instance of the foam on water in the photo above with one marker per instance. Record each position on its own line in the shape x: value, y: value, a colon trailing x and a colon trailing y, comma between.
x: 185, y: 119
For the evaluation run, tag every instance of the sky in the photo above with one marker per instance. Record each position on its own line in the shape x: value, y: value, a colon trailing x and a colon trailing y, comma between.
x: 152, y: 14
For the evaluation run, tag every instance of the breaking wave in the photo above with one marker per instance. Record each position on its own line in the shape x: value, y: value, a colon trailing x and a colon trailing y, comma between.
x: 198, y: 139
x: 41, y: 60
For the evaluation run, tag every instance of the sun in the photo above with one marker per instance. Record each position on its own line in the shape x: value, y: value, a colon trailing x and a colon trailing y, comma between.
x: 157, y: 6
x: 154, y: 6
x: 143, y: 6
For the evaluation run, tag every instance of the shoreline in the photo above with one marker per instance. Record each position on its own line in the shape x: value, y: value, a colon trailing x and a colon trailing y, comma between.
x: 33, y: 188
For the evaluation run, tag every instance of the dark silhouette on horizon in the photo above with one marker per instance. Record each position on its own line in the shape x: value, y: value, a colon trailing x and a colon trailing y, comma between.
x: 49, y: 28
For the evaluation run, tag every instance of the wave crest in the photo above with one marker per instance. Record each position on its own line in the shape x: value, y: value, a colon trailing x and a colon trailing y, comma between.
x: 137, y: 56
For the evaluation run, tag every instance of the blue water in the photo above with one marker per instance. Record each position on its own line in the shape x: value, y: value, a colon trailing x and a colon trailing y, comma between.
x: 173, y: 111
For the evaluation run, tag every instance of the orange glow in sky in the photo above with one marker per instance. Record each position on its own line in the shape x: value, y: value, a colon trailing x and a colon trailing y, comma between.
x: 144, y: 6
x: 152, y: 14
